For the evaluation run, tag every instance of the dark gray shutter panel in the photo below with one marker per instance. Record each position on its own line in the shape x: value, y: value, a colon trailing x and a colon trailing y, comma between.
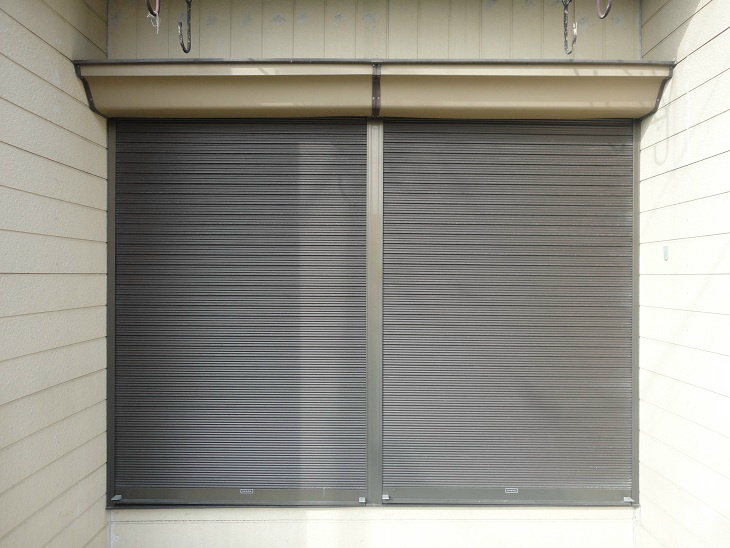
x: 240, y: 311
x: 507, y: 344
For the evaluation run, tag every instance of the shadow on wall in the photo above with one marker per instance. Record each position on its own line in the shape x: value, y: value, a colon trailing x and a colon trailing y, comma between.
x: 683, y: 166
x: 688, y: 127
x: 680, y: 104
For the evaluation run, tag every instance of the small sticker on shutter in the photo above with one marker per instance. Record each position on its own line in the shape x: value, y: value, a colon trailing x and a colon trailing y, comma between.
x: 246, y: 491
x: 511, y: 490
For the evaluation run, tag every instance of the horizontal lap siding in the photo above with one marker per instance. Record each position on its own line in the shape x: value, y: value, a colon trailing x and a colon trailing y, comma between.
x: 52, y: 276
x: 685, y: 279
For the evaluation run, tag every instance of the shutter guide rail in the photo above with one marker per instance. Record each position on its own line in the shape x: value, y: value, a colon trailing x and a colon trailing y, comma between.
x: 375, y: 310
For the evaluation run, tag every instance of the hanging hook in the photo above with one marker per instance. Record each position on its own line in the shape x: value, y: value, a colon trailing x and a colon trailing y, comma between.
x: 154, y: 12
x: 602, y: 14
x: 179, y: 30
x: 569, y: 49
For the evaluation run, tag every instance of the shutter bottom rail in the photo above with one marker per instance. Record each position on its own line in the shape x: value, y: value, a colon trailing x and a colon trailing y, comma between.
x: 508, y: 496
x: 216, y: 496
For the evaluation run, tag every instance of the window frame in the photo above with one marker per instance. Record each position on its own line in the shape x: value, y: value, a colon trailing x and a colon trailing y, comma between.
x: 374, y: 361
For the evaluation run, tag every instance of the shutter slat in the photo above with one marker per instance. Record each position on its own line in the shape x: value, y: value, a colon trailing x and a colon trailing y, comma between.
x: 507, y: 309
x: 240, y: 309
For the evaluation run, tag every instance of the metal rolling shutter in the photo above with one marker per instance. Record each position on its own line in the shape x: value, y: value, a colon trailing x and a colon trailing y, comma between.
x: 240, y: 311
x: 507, y: 311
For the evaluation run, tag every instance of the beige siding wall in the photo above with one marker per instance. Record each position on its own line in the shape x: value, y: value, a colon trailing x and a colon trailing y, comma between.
x: 52, y: 278
x: 685, y: 300
x: 418, y: 29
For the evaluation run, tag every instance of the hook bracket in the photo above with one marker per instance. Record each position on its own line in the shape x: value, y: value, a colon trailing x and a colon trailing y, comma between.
x: 569, y: 47
x: 153, y: 12
x: 185, y: 48
x: 602, y: 14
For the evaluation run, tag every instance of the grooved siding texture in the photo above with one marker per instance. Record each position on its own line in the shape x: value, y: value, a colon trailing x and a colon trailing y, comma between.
x: 685, y: 299
x: 52, y: 278
x: 391, y: 29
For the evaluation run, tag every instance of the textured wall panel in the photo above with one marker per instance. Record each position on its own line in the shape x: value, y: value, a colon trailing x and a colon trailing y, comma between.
x: 364, y: 29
